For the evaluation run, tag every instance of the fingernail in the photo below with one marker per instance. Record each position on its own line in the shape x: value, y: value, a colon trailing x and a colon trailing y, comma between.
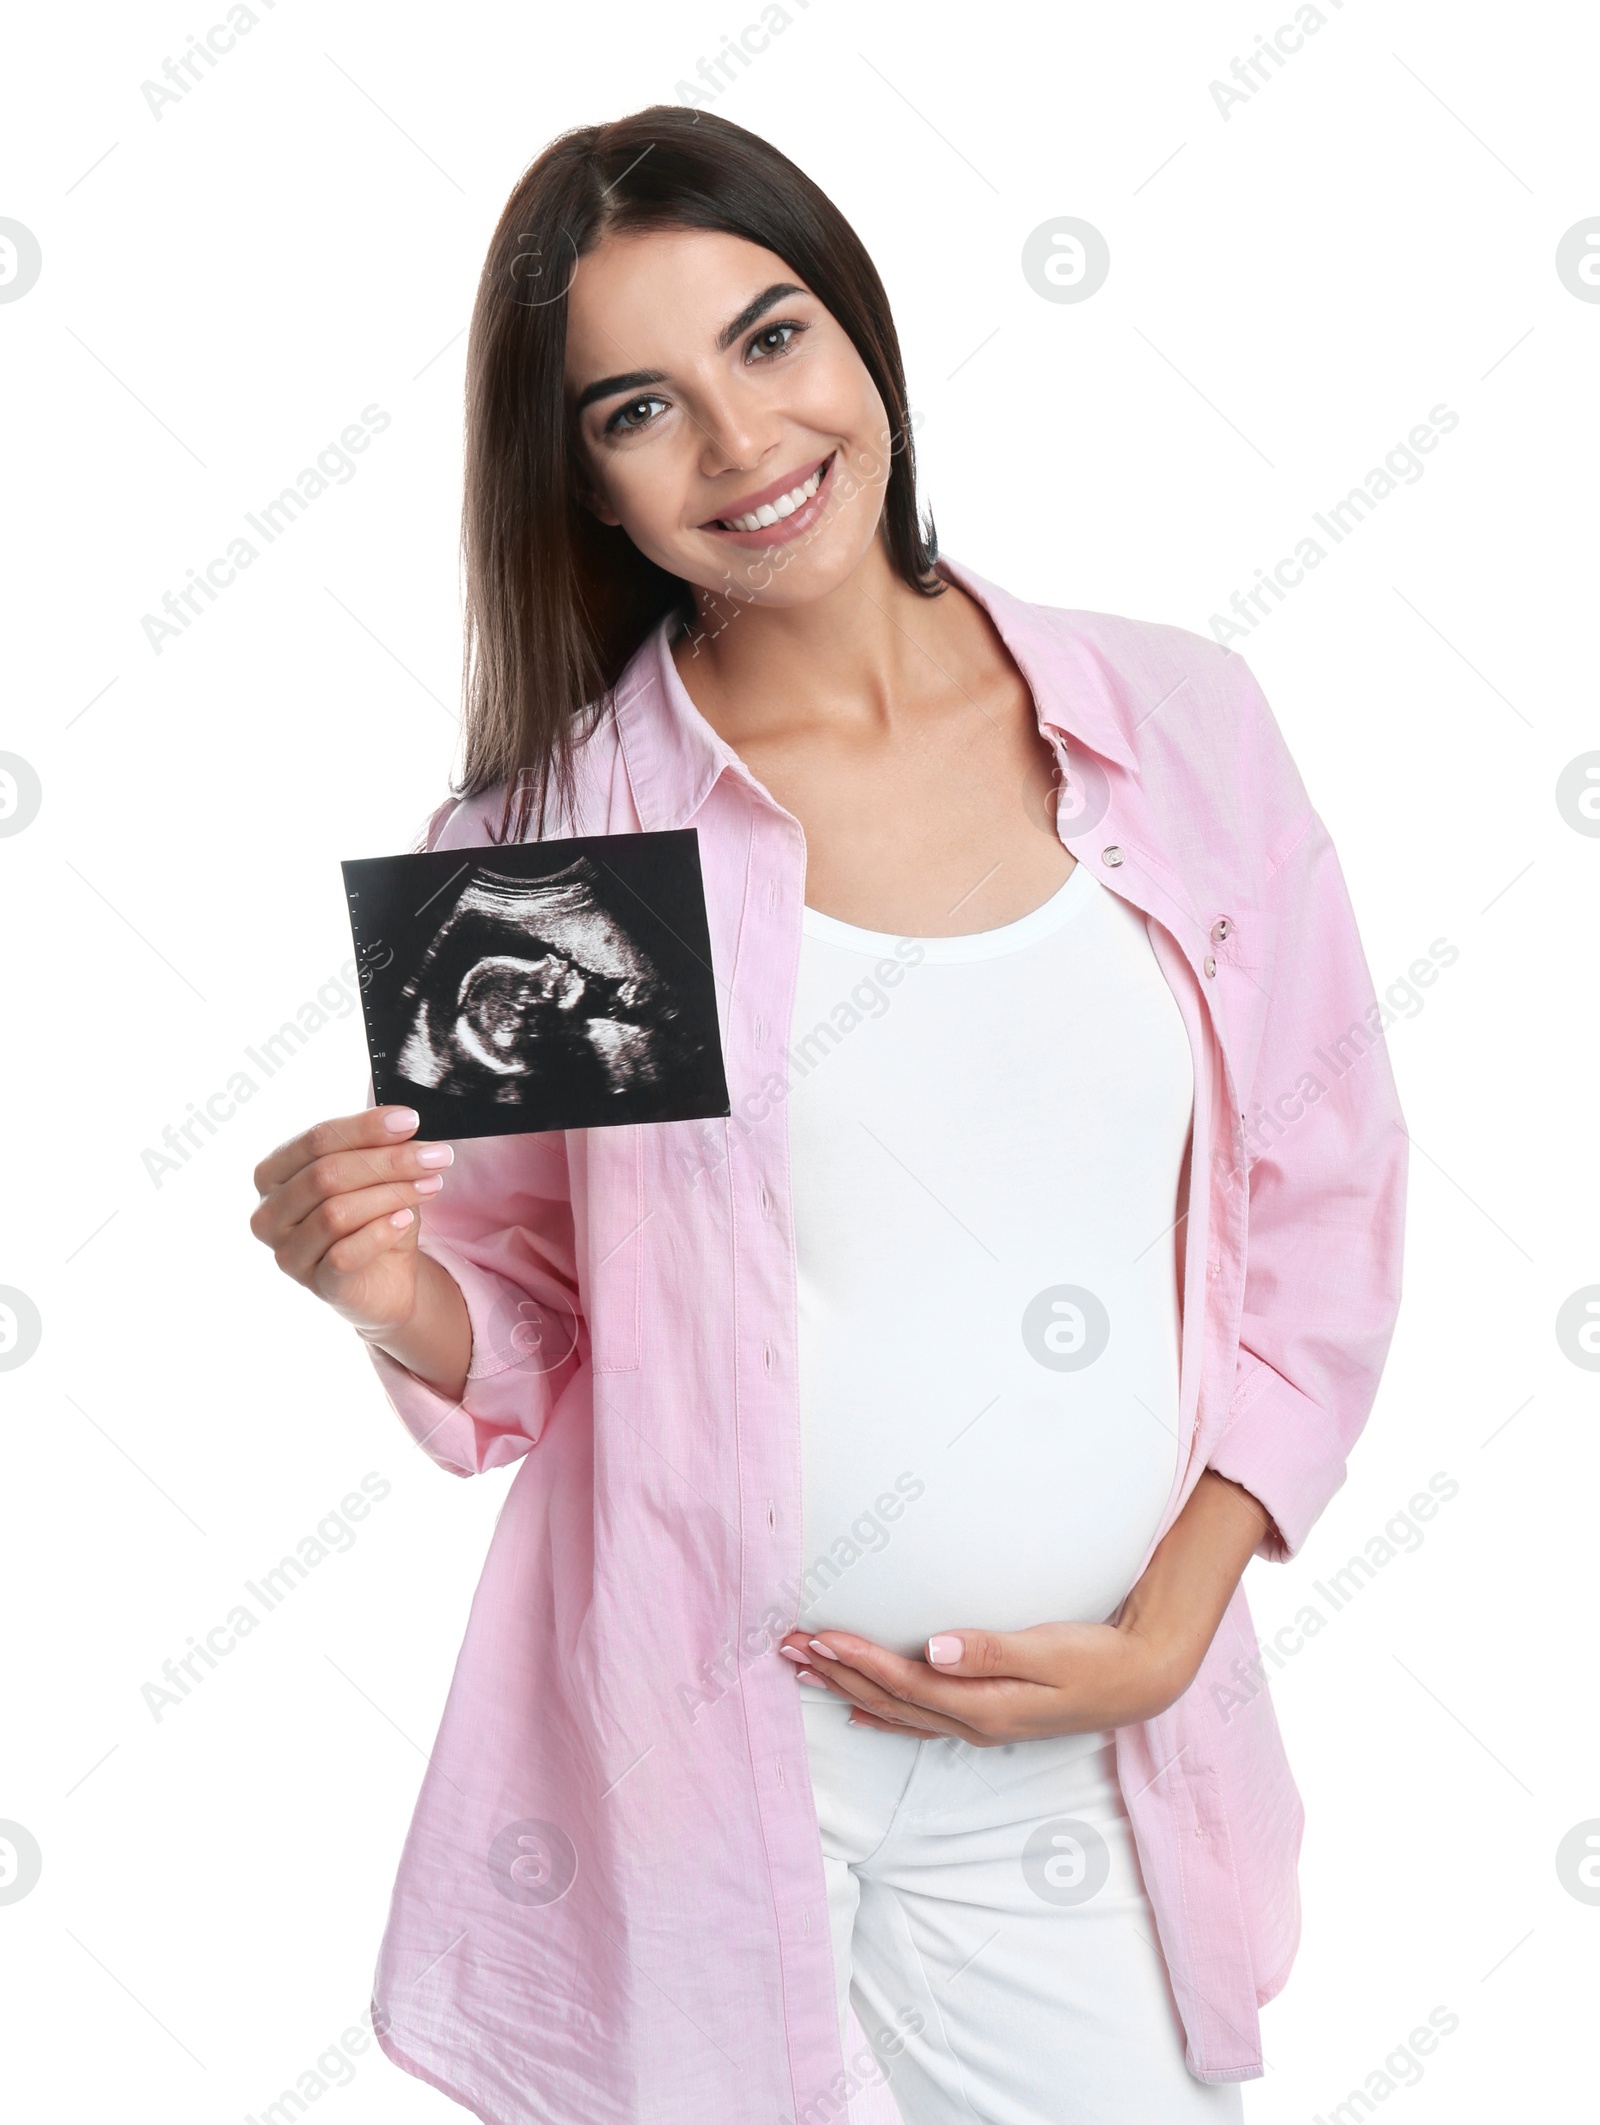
x: 791, y: 1652
x: 807, y: 1676
x: 944, y: 1651
x: 401, y: 1118
x: 430, y: 1186
x: 817, y: 1646
x: 436, y: 1155
x: 402, y: 1218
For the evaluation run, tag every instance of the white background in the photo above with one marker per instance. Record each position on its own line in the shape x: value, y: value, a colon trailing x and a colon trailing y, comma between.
x: 1293, y: 287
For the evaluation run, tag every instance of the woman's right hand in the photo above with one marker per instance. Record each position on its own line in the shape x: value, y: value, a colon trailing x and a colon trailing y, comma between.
x: 341, y: 1210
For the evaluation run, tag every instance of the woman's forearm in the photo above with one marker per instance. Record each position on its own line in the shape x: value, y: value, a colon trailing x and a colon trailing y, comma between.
x: 435, y: 1339
x: 1187, y: 1585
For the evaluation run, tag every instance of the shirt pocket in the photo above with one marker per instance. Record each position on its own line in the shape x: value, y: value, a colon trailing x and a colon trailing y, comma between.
x: 611, y: 1220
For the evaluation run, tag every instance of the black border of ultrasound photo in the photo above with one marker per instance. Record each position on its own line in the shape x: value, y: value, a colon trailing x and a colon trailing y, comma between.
x: 643, y: 903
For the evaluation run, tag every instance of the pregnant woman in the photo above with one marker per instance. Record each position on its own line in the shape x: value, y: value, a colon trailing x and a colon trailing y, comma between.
x: 860, y: 1691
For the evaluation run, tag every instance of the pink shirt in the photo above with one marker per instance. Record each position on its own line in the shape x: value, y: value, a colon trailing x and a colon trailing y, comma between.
x: 610, y: 1905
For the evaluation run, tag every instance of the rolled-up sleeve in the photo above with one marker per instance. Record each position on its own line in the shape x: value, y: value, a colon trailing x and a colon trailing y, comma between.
x: 502, y: 1227
x: 1326, y: 1187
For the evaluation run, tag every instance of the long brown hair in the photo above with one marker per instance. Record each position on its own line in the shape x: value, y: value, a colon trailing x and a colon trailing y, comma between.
x: 557, y: 602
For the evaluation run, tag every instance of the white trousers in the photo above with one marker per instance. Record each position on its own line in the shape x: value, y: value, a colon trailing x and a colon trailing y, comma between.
x: 991, y: 1930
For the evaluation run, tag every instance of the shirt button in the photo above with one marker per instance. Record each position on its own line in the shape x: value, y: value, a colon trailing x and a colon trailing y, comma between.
x: 1221, y: 930
x: 1111, y: 856
x: 1209, y: 964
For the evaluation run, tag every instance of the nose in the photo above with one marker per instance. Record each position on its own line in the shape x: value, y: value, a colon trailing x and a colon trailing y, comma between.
x: 740, y: 429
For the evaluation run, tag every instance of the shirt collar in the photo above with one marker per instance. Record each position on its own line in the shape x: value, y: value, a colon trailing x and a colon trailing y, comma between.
x: 1071, y: 687
x: 674, y: 756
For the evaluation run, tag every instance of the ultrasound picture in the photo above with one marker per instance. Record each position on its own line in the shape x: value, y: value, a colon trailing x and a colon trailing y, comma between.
x: 533, y: 986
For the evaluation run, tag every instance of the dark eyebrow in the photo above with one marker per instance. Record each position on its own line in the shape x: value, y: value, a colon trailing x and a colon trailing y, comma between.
x: 609, y: 386
x: 639, y: 379
x: 752, y: 310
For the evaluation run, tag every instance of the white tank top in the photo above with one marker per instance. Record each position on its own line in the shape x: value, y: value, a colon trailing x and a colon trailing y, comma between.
x: 987, y: 1136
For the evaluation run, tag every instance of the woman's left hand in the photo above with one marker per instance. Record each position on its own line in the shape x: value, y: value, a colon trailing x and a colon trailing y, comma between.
x: 1059, y: 1678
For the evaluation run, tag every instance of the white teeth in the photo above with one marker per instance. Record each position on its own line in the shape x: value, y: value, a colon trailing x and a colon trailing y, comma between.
x: 775, y: 512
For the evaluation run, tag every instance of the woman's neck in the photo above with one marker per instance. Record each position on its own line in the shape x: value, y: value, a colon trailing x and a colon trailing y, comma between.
x: 856, y: 656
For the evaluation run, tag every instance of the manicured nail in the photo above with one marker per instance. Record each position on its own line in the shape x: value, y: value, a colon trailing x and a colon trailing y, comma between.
x: 944, y: 1651
x: 436, y: 1155
x: 431, y: 1185
x: 817, y: 1646
x: 792, y: 1652
x: 807, y: 1676
x: 401, y: 1118
x: 402, y: 1218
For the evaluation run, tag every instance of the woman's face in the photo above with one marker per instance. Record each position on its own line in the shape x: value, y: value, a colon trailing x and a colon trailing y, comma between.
x: 710, y: 390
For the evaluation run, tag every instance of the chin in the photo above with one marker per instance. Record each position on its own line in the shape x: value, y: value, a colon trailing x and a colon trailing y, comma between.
x: 800, y: 573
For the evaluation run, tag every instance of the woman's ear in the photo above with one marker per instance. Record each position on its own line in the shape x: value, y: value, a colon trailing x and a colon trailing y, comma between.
x: 596, y: 504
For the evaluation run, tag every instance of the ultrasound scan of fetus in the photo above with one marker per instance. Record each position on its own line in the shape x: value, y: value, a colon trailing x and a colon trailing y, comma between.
x: 532, y: 995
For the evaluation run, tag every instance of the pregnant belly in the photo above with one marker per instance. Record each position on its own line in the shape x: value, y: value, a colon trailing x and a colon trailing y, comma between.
x: 1030, y: 1515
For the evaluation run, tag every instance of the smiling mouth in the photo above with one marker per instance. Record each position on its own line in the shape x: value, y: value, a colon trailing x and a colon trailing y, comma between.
x: 780, y: 507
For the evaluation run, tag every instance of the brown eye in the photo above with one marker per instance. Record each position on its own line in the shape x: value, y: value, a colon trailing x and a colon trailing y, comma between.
x: 633, y: 416
x: 771, y: 340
